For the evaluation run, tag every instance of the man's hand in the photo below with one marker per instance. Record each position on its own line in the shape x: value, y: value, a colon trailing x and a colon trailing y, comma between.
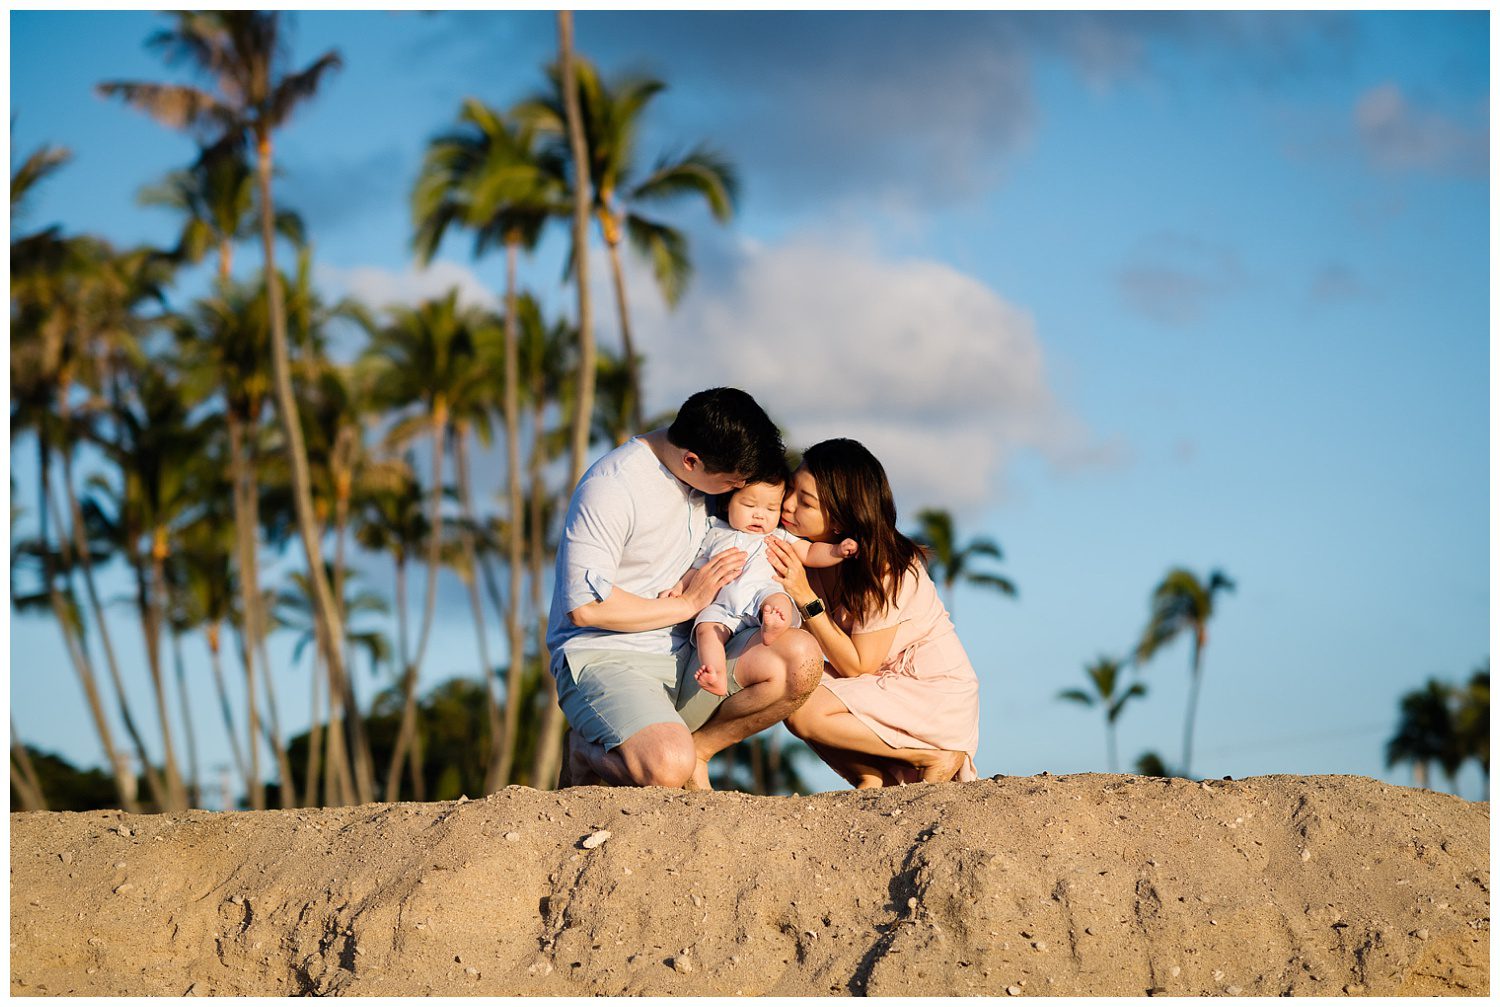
x: 713, y: 575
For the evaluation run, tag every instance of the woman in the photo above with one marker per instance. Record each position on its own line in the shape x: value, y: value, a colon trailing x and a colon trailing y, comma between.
x: 899, y: 701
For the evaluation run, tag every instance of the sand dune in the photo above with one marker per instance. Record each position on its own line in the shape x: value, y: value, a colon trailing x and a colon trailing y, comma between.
x: 1085, y: 884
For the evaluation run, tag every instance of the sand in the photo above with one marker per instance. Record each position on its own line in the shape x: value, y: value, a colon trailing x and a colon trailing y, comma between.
x: 1020, y: 886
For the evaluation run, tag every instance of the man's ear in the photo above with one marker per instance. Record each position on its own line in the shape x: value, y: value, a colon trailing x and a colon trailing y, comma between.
x: 691, y: 462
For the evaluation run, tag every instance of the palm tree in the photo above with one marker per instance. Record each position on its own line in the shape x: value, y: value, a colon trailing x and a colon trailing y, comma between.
x: 948, y: 562
x: 1104, y: 675
x: 243, y: 53
x: 611, y: 116
x: 23, y: 778
x: 545, y: 361
x: 223, y: 348
x: 56, y: 284
x: 1426, y: 733
x: 392, y: 521
x: 339, y: 406
x: 1473, y: 720
x: 1183, y: 604
x: 160, y: 452
x: 426, y: 357
x: 293, y: 609
x: 583, y: 406
x: 486, y: 175
x: 216, y: 199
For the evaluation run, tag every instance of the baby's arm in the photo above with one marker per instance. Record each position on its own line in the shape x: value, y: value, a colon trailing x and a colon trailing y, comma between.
x: 683, y: 583
x: 822, y: 554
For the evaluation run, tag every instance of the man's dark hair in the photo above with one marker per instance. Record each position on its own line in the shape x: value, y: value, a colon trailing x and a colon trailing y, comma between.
x: 729, y: 432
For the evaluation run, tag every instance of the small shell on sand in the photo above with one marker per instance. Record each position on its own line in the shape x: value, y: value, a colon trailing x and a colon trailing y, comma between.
x: 597, y: 839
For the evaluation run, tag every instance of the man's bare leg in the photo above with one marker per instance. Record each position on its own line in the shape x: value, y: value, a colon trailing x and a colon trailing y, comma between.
x: 775, y: 679
x: 712, y: 673
x: 657, y: 756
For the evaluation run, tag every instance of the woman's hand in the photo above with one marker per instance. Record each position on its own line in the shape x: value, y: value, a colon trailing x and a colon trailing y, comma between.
x: 791, y: 574
x: 718, y: 571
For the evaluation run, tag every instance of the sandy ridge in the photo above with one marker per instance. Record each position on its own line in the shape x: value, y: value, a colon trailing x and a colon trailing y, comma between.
x: 1087, y: 884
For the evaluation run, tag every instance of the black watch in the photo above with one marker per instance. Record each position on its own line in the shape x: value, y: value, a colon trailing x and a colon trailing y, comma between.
x: 812, y: 609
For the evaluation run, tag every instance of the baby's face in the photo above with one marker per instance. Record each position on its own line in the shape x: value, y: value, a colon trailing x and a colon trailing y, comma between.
x: 756, y: 508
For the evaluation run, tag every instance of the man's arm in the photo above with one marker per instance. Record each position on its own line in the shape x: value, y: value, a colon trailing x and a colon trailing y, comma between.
x: 623, y: 612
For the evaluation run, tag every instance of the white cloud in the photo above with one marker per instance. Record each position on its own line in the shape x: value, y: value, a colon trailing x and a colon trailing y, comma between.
x: 938, y: 375
x: 379, y: 288
x: 1398, y: 135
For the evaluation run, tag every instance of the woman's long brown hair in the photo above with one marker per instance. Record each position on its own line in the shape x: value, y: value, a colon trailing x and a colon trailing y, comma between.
x: 857, y: 503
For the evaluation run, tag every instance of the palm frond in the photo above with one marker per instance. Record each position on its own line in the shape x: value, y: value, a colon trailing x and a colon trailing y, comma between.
x: 702, y: 172
x: 178, y: 106
x: 666, y: 247
x: 296, y: 88
x: 38, y: 166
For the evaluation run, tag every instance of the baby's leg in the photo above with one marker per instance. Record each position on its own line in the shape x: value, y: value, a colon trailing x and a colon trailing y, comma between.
x: 712, y: 675
x: 775, y: 616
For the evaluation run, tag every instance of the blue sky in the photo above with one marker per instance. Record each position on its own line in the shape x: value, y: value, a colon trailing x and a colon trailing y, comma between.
x: 1123, y: 291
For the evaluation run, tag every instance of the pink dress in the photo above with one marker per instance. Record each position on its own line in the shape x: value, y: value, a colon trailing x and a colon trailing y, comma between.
x: 925, y: 694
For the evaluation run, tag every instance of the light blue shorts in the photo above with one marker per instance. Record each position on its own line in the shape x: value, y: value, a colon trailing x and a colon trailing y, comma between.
x: 609, y: 695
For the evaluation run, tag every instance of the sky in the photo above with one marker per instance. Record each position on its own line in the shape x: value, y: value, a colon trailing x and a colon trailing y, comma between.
x: 1123, y: 291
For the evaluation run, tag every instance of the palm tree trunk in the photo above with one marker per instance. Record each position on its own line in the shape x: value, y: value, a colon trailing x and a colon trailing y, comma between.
x: 212, y: 633
x: 249, y: 594
x: 314, y: 739
x: 273, y: 735
x: 1109, y: 736
x: 434, y: 543
x: 514, y: 555
x: 325, y: 610
x: 125, y: 782
x: 632, y: 370
x: 493, y: 777
x: 408, y: 688
x: 1419, y: 773
x: 154, y: 612
x: 1192, y: 710
x: 354, y: 725
x: 582, y: 194
x: 434, y: 525
x: 195, y: 789
x: 404, y: 734
x: 23, y: 778
x: 548, y: 758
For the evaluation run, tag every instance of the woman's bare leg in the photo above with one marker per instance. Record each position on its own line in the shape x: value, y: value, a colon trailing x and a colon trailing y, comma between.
x: 824, y: 719
x: 862, y: 772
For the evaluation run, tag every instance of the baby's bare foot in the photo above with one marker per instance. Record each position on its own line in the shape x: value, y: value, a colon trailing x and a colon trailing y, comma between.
x: 775, y: 617
x: 712, y: 680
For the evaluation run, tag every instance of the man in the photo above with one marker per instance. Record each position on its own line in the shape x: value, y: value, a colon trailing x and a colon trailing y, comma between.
x: 621, y: 655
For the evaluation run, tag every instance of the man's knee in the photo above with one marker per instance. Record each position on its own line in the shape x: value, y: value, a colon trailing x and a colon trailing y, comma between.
x: 663, y: 762
x: 804, y: 663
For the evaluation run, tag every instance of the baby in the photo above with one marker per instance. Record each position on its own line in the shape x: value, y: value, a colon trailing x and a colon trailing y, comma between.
x: 753, y: 512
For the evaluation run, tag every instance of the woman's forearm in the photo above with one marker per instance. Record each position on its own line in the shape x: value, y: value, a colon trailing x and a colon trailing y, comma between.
x: 837, y: 648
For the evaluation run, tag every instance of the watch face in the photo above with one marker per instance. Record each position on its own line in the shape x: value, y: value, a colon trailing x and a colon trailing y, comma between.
x: 813, y: 608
